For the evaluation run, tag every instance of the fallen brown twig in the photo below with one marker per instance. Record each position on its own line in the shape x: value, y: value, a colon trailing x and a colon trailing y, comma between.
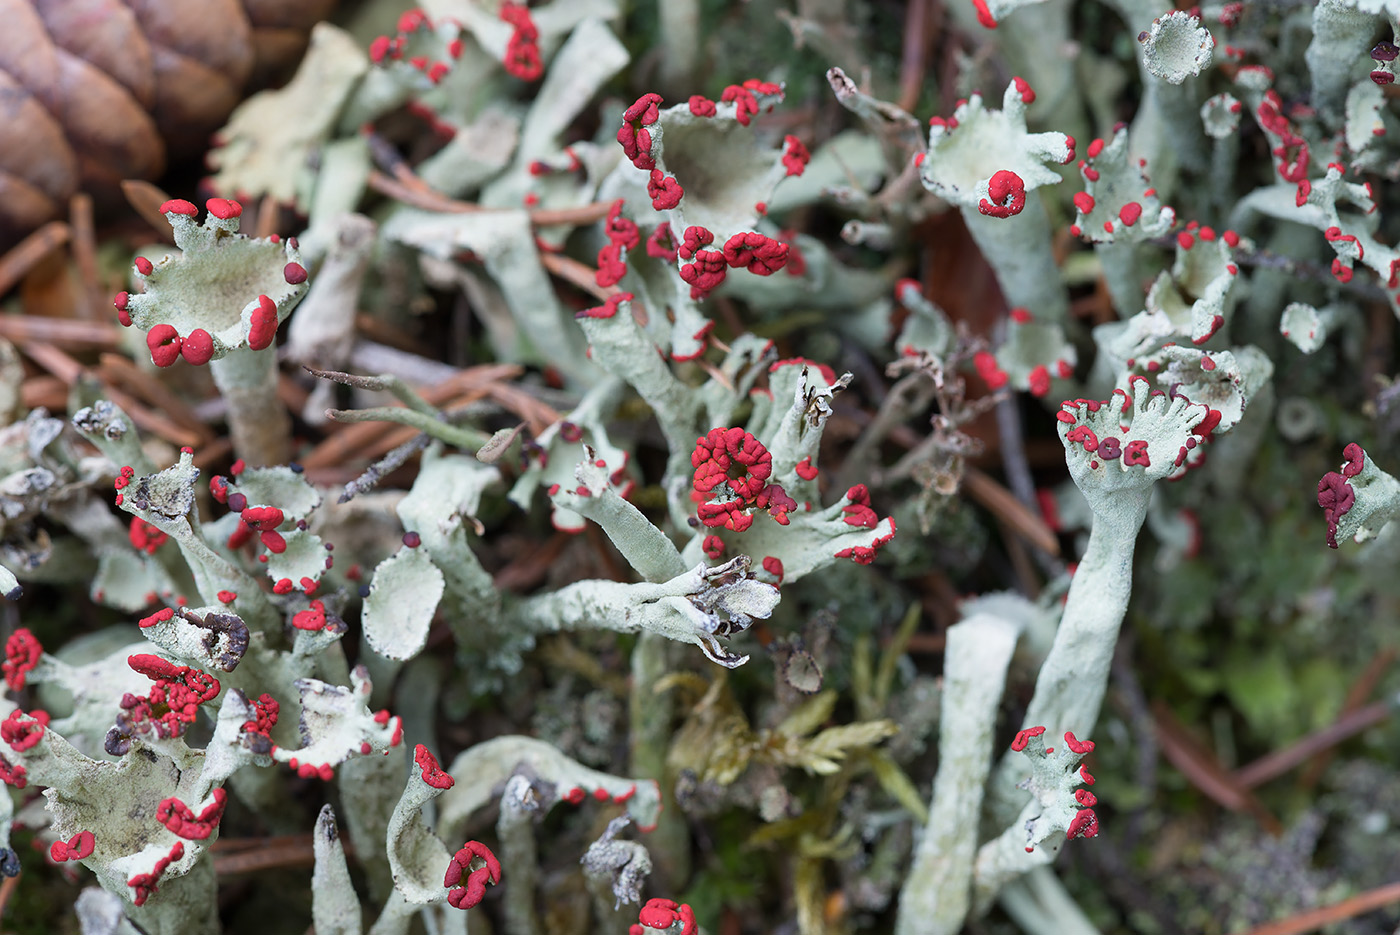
x: 1313, y: 919
x: 1204, y: 771
x: 23, y: 256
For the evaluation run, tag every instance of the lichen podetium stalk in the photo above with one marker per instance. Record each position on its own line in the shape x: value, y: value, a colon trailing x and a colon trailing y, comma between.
x: 648, y: 739
x: 1020, y: 256
x: 257, y: 418
x: 1116, y: 450
x: 936, y: 895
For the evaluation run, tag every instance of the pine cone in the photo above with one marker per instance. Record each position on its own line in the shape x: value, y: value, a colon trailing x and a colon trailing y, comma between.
x: 96, y: 91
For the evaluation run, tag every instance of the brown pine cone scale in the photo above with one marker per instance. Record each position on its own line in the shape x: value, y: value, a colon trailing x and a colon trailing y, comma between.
x: 96, y: 91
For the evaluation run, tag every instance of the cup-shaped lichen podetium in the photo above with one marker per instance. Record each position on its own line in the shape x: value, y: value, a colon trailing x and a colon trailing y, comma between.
x: 219, y: 301
x: 986, y: 162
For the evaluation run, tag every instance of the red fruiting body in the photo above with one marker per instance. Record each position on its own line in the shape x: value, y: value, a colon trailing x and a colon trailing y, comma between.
x: 432, y: 774
x: 775, y: 500
x: 1038, y: 380
x: 181, y: 820
x: 1078, y: 746
x: 273, y: 542
x: 22, y: 731
x: 763, y: 87
x: 664, y: 913
x: 465, y: 897
x: 1271, y: 118
x: 1084, y: 202
x: 729, y: 514
x: 692, y: 241
x: 988, y: 370
x: 313, y: 618
x: 1215, y: 323
x: 164, y: 343
x: 705, y: 273
x: 1024, y: 737
x: 22, y: 652
x: 294, y: 273
x: 633, y: 137
x: 1085, y: 824
x: 263, y: 517
x: 865, y: 555
x: 762, y: 255
x: 1336, y: 497
x: 223, y: 209
x: 522, y: 49
x: 795, y: 155
x: 174, y: 700
x: 198, y: 347
x: 145, y: 883
x: 414, y: 19
x: 611, y: 267
x: 1008, y: 195
x: 665, y: 192
x: 265, y: 710
x: 81, y: 845
x: 1207, y: 425
x: 661, y: 244
x: 805, y: 468
x: 143, y: 266
x: 858, y: 511
x: 164, y: 615
x: 227, y: 597
x: 218, y: 488
x: 733, y: 457
x: 984, y: 15
x: 179, y: 206
x: 1130, y: 213
x: 620, y: 229
x: 713, y: 547
x: 121, y: 301
x: 746, y: 105
x: 701, y: 106
x: 1024, y: 89
x: 1355, y: 460
x: 263, y: 327
x: 608, y: 309
x: 240, y: 535
x: 774, y: 567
